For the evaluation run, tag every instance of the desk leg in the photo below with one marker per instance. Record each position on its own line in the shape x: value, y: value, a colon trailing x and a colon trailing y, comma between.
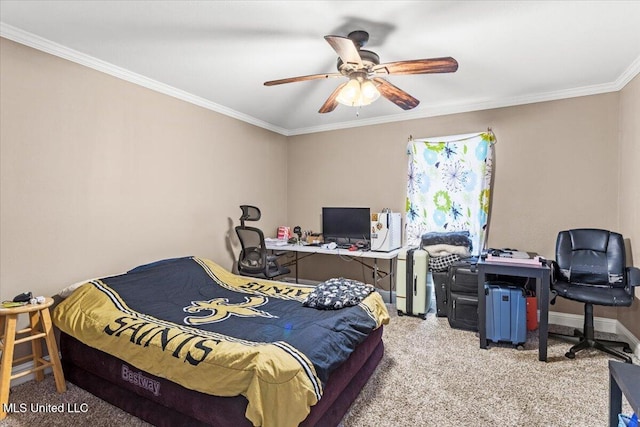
x: 375, y: 272
x: 296, y: 267
x: 615, y: 401
x: 482, y: 314
x: 392, y: 280
x: 543, y: 283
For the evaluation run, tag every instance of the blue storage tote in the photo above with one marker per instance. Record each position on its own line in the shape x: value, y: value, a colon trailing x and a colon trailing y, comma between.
x: 506, y: 313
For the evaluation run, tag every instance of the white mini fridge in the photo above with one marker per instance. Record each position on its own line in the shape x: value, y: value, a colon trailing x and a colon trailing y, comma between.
x: 386, y: 231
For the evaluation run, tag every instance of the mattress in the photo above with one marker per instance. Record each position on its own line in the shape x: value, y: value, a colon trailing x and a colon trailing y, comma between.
x: 166, y: 404
x: 189, y: 321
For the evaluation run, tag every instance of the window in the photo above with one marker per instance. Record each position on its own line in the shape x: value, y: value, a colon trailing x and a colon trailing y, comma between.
x: 449, y: 186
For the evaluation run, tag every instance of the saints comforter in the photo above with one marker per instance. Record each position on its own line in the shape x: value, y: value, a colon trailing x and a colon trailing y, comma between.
x: 191, y: 321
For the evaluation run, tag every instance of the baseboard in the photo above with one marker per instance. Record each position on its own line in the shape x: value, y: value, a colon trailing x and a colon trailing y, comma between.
x: 627, y: 336
x: 600, y: 324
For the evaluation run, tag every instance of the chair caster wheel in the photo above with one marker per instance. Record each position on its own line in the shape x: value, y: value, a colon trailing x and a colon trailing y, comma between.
x: 570, y: 355
x: 424, y: 316
x: 627, y: 350
x: 400, y: 313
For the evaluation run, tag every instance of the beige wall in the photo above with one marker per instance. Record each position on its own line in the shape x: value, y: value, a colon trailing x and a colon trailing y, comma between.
x: 99, y: 175
x: 629, y: 194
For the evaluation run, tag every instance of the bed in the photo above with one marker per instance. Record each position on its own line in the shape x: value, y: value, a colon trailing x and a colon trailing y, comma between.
x: 185, y: 342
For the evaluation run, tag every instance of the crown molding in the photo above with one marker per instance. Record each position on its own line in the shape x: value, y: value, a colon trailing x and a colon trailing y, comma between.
x: 628, y: 74
x: 45, y: 45
x: 443, y: 110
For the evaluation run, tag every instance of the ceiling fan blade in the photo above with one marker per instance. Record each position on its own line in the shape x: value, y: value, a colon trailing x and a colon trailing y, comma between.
x: 330, y: 104
x: 418, y: 66
x: 396, y: 95
x: 346, y: 50
x: 301, y: 78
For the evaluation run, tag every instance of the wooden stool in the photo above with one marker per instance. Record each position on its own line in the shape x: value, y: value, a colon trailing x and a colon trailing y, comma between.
x: 39, y: 327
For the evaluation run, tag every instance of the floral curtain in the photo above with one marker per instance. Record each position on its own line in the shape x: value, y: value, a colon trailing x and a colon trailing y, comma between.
x: 449, y: 186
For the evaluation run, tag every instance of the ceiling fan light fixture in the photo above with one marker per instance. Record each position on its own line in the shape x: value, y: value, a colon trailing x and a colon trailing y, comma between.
x: 369, y: 92
x: 350, y: 93
x: 357, y: 93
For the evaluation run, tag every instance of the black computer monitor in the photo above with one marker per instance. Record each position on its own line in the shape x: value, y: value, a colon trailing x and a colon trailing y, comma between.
x: 346, y: 225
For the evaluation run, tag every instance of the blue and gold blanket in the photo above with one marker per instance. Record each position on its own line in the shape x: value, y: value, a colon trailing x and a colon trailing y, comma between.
x: 193, y: 322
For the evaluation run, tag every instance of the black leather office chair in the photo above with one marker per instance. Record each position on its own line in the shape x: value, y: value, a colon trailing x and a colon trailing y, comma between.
x: 254, y: 259
x: 590, y: 268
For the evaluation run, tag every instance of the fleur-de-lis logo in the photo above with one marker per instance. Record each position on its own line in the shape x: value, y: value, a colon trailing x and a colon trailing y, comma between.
x: 221, y: 309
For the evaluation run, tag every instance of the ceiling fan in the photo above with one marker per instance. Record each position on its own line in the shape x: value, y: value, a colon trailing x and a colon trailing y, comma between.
x: 363, y: 68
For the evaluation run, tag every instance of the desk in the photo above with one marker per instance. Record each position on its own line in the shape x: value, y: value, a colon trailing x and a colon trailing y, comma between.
x: 623, y: 377
x: 542, y: 276
x: 309, y: 250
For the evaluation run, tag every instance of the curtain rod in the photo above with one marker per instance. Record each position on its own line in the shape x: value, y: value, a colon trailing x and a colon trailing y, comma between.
x: 489, y: 131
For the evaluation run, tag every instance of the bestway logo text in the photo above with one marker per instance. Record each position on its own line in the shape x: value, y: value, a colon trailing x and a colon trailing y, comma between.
x: 137, y: 379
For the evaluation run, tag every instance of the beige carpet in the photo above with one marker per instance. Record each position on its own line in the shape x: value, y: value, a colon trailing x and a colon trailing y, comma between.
x: 431, y: 375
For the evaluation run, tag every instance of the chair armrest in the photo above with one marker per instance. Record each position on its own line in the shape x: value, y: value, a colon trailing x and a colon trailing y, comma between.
x: 633, y: 276
x: 274, y: 256
x: 553, y: 270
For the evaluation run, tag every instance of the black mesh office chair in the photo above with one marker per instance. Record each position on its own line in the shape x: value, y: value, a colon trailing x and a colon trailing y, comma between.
x: 590, y: 268
x: 254, y: 259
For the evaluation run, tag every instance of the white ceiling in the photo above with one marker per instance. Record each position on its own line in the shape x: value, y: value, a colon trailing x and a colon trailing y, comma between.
x: 218, y: 54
